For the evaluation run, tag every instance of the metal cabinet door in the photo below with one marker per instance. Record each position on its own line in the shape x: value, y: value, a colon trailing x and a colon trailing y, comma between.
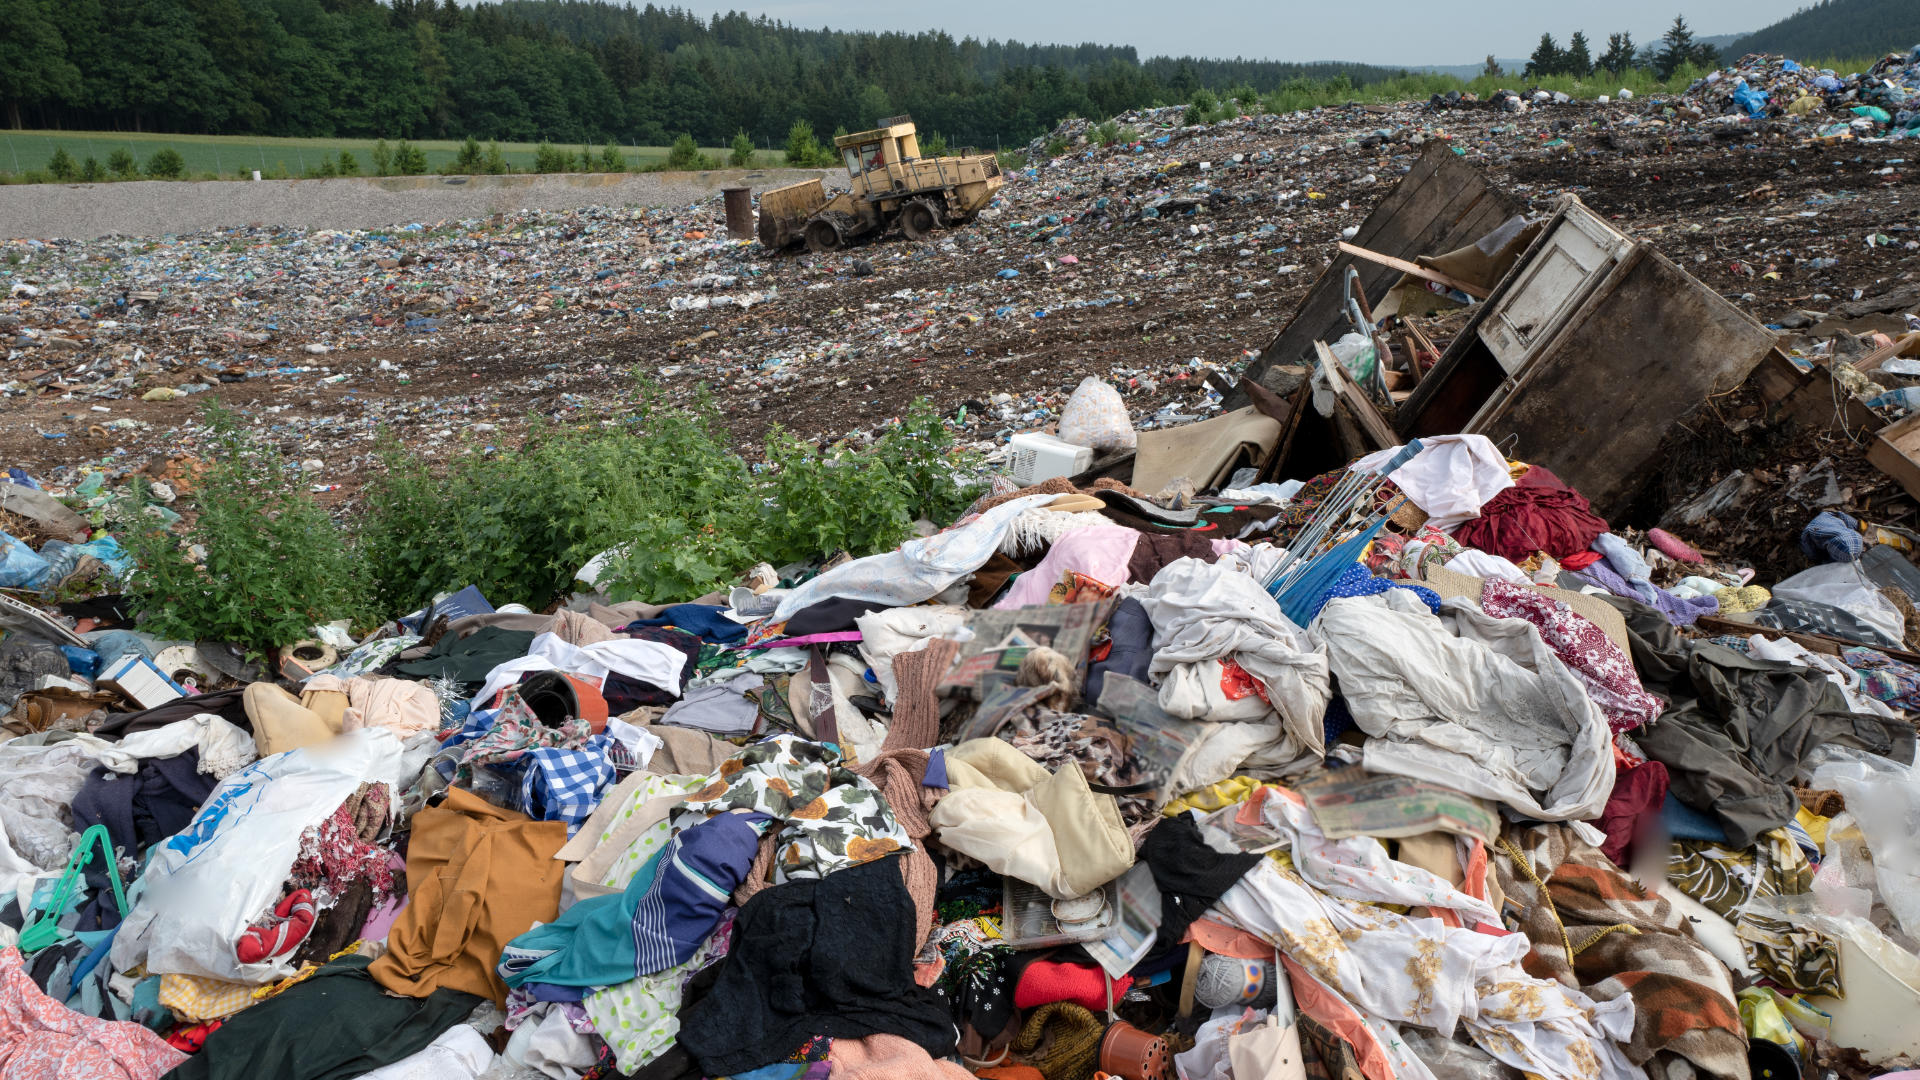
x: 1571, y: 260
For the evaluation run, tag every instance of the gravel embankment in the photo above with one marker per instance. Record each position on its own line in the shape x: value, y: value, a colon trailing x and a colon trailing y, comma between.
x: 159, y: 207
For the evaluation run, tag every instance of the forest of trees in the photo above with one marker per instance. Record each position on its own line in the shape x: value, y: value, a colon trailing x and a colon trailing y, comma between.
x: 1840, y: 28
x: 1676, y: 49
x: 571, y: 71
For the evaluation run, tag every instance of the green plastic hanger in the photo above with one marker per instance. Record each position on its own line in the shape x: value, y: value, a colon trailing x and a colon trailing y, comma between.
x: 45, y: 930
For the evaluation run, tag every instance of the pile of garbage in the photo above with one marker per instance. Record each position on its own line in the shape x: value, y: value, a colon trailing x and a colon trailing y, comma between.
x: 1286, y: 724
x: 1416, y: 768
x: 1882, y: 101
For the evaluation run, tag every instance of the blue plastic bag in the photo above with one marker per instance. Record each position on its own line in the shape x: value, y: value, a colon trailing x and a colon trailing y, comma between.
x: 20, y: 566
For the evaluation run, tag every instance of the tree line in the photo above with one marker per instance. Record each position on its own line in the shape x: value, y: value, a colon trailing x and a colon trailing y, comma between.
x: 1676, y: 49
x: 569, y: 71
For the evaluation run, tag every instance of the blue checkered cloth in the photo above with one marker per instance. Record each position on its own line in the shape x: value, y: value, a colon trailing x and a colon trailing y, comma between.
x: 565, y: 785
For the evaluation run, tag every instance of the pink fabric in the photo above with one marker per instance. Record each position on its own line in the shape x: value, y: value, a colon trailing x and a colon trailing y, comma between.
x: 41, y: 1039
x: 1599, y: 664
x: 1100, y: 552
x: 1673, y: 547
x: 888, y: 1057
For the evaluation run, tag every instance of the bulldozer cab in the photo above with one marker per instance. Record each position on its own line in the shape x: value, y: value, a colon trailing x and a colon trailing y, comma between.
x: 875, y: 159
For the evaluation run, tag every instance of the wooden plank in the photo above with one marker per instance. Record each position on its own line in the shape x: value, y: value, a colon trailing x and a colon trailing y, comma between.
x: 1413, y: 269
x: 1378, y: 431
x: 1873, y: 360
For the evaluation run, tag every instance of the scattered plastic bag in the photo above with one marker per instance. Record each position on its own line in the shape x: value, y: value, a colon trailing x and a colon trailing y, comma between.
x: 1884, y: 798
x: 1096, y: 416
x: 20, y: 567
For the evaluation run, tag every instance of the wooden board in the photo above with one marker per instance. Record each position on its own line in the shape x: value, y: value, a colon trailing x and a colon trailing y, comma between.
x: 1378, y: 431
x: 1646, y: 349
x: 1414, y: 269
x: 1442, y: 204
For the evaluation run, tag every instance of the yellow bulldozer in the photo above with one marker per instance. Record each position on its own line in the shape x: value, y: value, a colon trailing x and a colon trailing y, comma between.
x: 890, y: 184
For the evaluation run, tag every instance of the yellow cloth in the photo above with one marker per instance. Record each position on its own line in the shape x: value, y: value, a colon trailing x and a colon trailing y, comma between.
x: 1232, y: 791
x: 1815, y: 825
x: 197, y: 998
x: 478, y: 876
x: 1745, y: 598
x: 280, y: 722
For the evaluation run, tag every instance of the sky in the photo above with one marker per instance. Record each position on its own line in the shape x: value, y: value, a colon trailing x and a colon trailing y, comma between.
x: 1393, y: 33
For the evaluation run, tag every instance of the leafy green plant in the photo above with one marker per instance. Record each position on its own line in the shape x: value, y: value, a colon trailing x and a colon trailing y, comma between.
x: 685, y: 156
x: 933, y: 144
x: 382, y: 159
x: 61, y: 165
x: 91, y: 170
x: 803, y: 150
x: 275, y: 563
x: 1105, y: 133
x: 408, y: 159
x: 468, y: 161
x: 166, y: 164
x: 548, y: 158
x: 496, y: 161
x: 742, y: 154
x: 611, y: 159
x: 121, y: 164
x: 349, y: 165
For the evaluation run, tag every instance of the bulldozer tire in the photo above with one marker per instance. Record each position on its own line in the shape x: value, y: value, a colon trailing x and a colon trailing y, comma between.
x: 918, y: 220
x: 823, y: 238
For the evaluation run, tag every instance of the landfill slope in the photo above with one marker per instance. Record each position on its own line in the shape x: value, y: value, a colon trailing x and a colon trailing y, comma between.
x: 1149, y: 265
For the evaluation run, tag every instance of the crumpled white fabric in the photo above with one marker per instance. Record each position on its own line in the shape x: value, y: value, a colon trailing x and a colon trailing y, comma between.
x: 918, y: 569
x: 460, y: 1053
x: 551, y: 1047
x: 1421, y: 971
x: 1485, y: 564
x: 891, y: 632
x: 1466, y: 700
x: 1357, y: 867
x: 1206, y: 612
x: 35, y: 796
x: 1451, y: 478
x: 648, y: 661
x: 223, y: 748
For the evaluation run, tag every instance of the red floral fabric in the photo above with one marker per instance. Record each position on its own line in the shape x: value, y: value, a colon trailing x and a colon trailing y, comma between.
x: 1600, y: 665
x: 41, y: 1039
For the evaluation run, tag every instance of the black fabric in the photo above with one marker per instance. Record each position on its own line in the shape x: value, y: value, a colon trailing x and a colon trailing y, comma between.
x: 469, y: 659
x: 335, y: 1025
x: 139, y: 810
x: 832, y: 956
x: 624, y: 694
x: 831, y: 616
x: 1132, y: 653
x: 1155, y: 550
x: 226, y: 704
x: 1190, y: 875
x: 339, y: 923
x: 1735, y: 728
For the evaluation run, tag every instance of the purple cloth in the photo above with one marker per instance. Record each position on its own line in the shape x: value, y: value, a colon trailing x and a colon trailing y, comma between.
x: 1679, y: 612
x: 936, y: 775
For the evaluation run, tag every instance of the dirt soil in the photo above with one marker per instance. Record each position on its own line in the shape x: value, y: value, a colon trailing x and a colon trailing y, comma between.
x: 460, y: 331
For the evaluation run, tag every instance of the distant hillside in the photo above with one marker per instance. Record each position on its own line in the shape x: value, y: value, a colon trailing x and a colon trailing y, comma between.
x: 1837, y: 28
x: 1725, y: 43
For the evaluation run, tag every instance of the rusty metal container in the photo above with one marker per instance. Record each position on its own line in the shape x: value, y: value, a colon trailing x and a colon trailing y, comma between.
x: 739, y: 211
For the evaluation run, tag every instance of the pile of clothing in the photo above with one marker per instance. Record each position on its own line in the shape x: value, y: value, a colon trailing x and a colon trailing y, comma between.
x: 1455, y: 781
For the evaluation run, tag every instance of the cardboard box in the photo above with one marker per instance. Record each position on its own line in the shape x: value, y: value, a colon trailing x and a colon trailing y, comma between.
x: 139, y: 681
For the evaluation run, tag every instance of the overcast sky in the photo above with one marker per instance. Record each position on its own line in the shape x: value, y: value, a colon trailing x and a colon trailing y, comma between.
x: 1395, y: 33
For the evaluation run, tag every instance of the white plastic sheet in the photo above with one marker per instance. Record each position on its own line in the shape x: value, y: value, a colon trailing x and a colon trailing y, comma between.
x: 1451, y: 477
x: 205, y: 885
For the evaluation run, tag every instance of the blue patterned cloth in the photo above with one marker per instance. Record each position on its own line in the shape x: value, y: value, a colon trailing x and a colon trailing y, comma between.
x: 1356, y: 581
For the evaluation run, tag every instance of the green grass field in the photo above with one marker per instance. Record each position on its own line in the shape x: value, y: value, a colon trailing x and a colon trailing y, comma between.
x: 25, y: 152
